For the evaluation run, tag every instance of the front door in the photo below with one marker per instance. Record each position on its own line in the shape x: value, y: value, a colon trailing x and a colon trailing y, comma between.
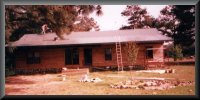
x: 87, y: 56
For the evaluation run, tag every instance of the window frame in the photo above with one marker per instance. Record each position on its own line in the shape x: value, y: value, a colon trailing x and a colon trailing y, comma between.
x: 108, y: 54
x: 72, y: 56
x: 33, y: 58
x: 149, y: 53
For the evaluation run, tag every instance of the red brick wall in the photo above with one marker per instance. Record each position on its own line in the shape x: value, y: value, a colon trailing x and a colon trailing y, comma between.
x: 99, y: 59
x: 49, y: 58
x: 55, y: 57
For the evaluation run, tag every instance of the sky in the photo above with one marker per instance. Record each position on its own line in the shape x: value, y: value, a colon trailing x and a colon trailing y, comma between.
x: 112, y: 19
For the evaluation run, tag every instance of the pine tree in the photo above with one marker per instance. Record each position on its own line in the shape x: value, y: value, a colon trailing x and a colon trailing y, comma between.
x: 186, y: 28
x: 178, y: 22
x: 138, y: 18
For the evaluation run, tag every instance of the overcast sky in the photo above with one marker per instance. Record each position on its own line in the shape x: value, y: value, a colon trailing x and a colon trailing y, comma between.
x: 112, y: 19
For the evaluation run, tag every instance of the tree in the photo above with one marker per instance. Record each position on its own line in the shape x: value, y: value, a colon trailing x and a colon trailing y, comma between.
x: 26, y: 19
x: 175, y: 21
x: 131, y: 49
x: 85, y: 24
x: 178, y: 22
x: 167, y: 21
x: 138, y: 18
x: 185, y: 30
x: 177, y: 52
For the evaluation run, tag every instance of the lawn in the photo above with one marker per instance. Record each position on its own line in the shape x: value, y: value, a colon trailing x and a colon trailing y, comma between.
x: 52, y: 84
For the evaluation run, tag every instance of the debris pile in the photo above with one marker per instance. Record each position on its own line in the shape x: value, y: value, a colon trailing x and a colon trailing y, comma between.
x: 86, y: 78
x: 170, y: 71
x: 159, y: 71
x: 150, y: 84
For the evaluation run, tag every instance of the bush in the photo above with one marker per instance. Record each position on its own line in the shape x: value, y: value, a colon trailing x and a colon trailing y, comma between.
x: 9, y: 72
x: 177, y: 52
x: 131, y: 49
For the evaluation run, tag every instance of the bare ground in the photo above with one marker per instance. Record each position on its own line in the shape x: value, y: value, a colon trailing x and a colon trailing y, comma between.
x: 52, y: 84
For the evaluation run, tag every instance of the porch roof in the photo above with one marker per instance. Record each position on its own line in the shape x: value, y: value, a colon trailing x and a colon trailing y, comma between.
x: 93, y: 37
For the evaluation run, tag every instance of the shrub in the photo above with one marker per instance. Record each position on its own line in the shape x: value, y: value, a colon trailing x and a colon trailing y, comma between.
x: 177, y: 52
x: 131, y: 49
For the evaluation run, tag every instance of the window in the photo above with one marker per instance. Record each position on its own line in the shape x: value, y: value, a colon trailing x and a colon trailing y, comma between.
x: 71, y: 56
x: 75, y: 56
x: 149, y: 52
x: 33, y: 58
x: 108, y: 54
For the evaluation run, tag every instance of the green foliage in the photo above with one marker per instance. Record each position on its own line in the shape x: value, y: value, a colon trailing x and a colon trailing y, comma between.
x: 26, y: 19
x: 178, y: 22
x: 85, y: 24
x: 9, y: 72
x: 168, y: 21
x: 175, y: 21
x: 138, y: 18
x: 9, y: 61
x: 131, y: 49
x: 177, y: 52
x: 186, y: 28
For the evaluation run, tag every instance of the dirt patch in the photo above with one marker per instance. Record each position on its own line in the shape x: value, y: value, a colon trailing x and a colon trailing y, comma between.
x: 53, y: 84
x: 116, y: 76
x: 18, y: 80
x: 8, y: 90
x: 31, y: 84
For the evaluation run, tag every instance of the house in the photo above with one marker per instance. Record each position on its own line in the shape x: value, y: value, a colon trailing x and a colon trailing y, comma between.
x: 86, y: 49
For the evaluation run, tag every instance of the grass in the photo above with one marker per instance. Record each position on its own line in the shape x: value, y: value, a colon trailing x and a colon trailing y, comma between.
x: 52, y: 84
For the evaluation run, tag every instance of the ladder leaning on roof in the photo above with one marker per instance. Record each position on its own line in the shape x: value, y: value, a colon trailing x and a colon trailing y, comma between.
x: 119, y: 54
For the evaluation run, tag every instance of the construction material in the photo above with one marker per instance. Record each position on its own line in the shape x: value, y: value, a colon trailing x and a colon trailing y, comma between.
x: 159, y: 71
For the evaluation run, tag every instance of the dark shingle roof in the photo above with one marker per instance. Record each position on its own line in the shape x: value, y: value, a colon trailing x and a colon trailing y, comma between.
x: 94, y: 37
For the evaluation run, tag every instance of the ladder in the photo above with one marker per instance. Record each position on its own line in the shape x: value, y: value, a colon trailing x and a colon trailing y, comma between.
x: 119, y: 55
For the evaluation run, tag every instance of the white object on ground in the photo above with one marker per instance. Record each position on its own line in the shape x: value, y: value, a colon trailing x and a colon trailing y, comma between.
x: 84, y: 78
x: 64, y: 68
x: 153, y: 71
x: 95, y: 80
x: 63, y: 77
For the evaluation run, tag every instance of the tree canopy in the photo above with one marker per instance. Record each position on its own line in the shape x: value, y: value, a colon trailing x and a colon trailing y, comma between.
x: 137, y: 18
x: 186, y: 28
x: 176, y: 21
x: 61, y: 19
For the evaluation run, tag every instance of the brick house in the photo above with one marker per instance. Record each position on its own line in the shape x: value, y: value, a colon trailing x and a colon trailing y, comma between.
x: 86, y: 49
